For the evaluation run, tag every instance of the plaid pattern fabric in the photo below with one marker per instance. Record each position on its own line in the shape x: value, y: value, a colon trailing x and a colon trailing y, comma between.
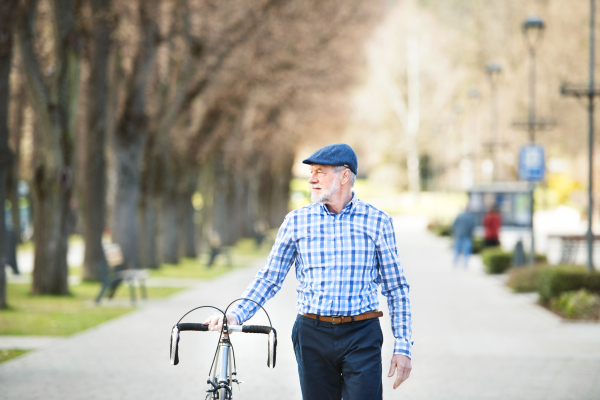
x: 341, y: 259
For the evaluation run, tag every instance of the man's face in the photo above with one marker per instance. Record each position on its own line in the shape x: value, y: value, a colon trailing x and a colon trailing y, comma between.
x: 324, y: 182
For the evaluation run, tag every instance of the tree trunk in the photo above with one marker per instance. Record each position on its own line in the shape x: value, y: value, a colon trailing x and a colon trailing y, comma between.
x: 127, y: 162
x: 187, y: 226
x: 6, y: 11
x: 148, y: 209
x: 12, y: 180
x: 51, y: 228
x: 148, y: 223
x: 94, y: 190
x: 222, y: 203
x: 55, y: 107
x: 130, y: 137
x: 169, y: 227
x: 281, y: 176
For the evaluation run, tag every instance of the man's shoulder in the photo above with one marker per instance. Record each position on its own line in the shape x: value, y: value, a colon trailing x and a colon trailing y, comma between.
x: 362, y: 207
x: 312, y: 208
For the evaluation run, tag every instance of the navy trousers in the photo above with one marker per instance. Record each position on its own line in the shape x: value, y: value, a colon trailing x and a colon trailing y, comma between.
x: 338, y: 361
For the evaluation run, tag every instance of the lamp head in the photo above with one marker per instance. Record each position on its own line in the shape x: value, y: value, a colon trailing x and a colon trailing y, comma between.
x: 533, y: 27
x: 493, y: 70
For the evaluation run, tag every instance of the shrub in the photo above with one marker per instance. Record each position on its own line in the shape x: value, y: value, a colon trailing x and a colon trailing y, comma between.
x: 477, y: 245
x: 552, y: 282
x: 577, y: 305
x: 524, y: 279
x: 439, y: 228
x: 443, y: 230
x: 496, y: 260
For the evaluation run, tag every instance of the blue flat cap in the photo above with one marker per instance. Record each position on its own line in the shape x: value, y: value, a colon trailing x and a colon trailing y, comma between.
x: 335, y: 154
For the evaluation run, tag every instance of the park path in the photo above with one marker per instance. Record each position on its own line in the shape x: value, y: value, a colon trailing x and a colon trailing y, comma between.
x: 473, y: 340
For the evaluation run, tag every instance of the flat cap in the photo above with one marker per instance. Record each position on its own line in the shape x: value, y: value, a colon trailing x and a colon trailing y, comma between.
x: 337, y: 154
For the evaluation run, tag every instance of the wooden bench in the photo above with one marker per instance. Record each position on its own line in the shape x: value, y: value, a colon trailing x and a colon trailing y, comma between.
x: 215, y: 252
x: 570, y: 245
x: 114, y: 272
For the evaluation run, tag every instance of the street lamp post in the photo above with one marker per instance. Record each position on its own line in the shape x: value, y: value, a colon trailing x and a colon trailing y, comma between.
x: 591, y: 92
x: 533, y: 30
x: 493, y: 70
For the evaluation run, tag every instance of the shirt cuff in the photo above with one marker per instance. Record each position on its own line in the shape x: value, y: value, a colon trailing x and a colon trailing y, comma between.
x: 238, y: 315
x: 403, y: 347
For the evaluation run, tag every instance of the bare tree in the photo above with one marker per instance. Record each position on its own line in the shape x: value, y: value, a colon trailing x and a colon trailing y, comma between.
x: 94, y: 188
x: 55, y: 103
x: 131, y: 134
x: 7, y: 8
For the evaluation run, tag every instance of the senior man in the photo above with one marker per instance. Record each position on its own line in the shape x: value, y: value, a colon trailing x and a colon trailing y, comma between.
x: 343, y: 249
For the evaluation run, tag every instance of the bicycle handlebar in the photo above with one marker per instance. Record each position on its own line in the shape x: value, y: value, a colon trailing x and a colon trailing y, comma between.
x: 187, y: 326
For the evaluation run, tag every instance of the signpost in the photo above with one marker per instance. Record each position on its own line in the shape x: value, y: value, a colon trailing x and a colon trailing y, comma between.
x: 532, y: 168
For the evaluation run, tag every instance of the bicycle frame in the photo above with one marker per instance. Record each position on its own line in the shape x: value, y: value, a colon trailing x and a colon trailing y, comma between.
x: 221, y: 382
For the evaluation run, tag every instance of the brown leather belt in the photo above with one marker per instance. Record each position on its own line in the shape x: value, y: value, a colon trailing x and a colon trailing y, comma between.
x: 339, y: 319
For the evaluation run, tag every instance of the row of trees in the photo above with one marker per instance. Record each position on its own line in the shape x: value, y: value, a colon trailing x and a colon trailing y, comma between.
x: 147, y: 102
x: 456, y: 40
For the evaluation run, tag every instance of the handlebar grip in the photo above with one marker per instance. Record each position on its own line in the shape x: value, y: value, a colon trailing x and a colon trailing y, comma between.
x: 174, y: 349
x: 257, y: 329
x: 272, y: 345
x: 189, y: 326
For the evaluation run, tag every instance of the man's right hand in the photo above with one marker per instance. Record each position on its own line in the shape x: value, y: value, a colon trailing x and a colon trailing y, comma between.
x: 216, y: 321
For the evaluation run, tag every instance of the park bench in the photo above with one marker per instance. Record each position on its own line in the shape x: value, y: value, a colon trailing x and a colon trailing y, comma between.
x: 224, y: 251
x: 570, y: 245
x: 114, y: 272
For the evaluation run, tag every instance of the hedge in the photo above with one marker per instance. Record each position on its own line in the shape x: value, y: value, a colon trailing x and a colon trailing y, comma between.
x: 477, y: 245
x: 577, y: 305
x: 496, y: 260
x: 552, y: 282
x: 524, y: 279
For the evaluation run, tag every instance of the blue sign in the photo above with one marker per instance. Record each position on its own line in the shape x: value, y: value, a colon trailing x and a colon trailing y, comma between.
x: 532, y: 163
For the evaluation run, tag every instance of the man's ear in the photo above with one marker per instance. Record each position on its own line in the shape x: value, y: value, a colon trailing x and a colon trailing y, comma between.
x: 346, y: 176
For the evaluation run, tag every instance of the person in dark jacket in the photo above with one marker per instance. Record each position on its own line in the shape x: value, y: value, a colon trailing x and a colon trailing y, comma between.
x: 462, y: 231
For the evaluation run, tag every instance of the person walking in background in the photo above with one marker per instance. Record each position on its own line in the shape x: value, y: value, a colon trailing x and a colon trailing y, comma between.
x: 462, y: 231
x: 343, y: 250
x: 492, y: 222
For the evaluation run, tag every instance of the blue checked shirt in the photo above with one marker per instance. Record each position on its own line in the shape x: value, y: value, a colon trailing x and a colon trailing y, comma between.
x: 341, y: 259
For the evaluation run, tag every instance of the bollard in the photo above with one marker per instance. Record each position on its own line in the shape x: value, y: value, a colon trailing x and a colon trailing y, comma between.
x: 519, y: 254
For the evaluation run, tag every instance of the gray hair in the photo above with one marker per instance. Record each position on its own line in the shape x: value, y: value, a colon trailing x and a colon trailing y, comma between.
x: 340, y: 168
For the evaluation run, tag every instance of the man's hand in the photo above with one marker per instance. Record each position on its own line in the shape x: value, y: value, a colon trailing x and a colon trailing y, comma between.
x: 402, y: 363
x: 216, y: 321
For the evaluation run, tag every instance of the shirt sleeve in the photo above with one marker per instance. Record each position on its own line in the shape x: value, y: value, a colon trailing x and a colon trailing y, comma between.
x: 269, y: 279
x: 395, y: 287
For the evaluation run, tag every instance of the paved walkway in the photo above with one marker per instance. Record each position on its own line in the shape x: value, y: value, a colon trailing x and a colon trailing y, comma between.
x: 473, y: 340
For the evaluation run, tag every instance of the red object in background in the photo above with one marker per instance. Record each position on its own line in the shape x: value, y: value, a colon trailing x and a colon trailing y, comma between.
x: 492, y: 222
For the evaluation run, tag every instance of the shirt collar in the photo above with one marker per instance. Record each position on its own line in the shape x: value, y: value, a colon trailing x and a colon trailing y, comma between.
x: 346, y: 209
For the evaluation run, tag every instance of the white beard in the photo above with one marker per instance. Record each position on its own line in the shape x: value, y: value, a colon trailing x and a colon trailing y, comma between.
x: 325, y: 195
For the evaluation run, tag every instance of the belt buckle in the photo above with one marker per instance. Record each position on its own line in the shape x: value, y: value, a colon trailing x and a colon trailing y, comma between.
x: 337, y: 316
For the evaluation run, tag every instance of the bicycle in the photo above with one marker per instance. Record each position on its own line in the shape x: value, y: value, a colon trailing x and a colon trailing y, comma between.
x: 221, y: 376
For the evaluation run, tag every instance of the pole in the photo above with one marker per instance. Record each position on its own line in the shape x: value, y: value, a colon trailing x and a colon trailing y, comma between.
x: 531, y: 129
x: 590, y: 235
x: 494, y: 130
x: 531, y: 95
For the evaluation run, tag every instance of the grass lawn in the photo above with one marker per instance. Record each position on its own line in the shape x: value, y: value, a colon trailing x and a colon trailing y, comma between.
x: 242, y: 254
x: 66, y: 315
x: 62, y: 316
x: 6, y: 355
